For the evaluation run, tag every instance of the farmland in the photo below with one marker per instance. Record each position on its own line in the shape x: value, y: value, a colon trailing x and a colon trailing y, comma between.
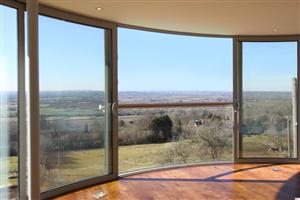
x: 74, y: 139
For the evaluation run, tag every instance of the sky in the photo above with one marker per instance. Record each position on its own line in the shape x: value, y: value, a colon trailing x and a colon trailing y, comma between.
x: 8, y: 49
x: 72, y: 58
x: 269, y: 66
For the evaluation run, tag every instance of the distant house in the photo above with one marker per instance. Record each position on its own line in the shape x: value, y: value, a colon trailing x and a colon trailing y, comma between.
x: 196, y: 123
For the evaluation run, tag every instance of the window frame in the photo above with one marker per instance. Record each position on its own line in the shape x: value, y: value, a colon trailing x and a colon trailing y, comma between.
x: 238, y: 96
x: 111, y: 89
x: 22, y: 148
x: 166, y: 105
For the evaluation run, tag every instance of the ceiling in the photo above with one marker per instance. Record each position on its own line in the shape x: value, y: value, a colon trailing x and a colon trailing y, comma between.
x: 228, y: 17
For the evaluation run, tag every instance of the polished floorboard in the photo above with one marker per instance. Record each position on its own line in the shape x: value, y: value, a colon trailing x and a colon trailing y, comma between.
x: 219, y: 181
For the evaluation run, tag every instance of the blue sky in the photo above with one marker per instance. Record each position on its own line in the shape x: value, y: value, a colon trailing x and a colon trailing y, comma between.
x: 269, y: 66
x: 72, y: 58
x: 8, y: 49
x: 155, y: 61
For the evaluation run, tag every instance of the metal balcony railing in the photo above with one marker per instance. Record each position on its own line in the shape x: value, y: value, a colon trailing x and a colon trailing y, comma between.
x: 168, y: 105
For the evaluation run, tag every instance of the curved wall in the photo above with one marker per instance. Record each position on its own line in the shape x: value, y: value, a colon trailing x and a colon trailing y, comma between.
x: 183, y: 126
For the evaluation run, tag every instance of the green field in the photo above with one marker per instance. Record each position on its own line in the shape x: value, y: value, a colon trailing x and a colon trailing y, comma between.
x: 256, y: 146
x: 12, y: 162
x: 77, y: 165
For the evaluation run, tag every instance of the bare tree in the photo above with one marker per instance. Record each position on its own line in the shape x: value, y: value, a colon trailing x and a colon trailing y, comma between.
x: 212, y: 138
x: 178, y: 152
x: 278, y: 133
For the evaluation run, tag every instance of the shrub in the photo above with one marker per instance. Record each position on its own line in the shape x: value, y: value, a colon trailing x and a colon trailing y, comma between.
x: 161, y: 128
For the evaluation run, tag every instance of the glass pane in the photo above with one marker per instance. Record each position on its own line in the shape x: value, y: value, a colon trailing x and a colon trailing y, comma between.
x: 74, y: 129
x: 165, y: 137
x: 269, y: 102
x: 166, y: 68
x: 9, y: 132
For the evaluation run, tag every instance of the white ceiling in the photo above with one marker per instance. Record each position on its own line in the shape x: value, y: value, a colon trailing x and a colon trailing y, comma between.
x: 229, y: 17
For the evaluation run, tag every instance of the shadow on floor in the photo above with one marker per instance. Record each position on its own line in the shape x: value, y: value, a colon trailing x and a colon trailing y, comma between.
x: 212, y: 178
x: 203, y: 180
x: 290, y: 189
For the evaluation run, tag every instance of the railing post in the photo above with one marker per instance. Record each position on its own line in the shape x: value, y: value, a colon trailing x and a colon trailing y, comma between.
x: 22, y: 106
x: 294, y: 116
x: 34, y: 116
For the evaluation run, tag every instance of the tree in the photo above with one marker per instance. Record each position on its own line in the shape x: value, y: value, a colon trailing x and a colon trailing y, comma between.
x: 86, y: 128
x: 177, y: 152
x: 256, y: 126
x: 280, y: 123
x: 122, y: 123
x: 212, y: 137
x: 161, y: 128
x: 178, y: 129
x: 278, y: 135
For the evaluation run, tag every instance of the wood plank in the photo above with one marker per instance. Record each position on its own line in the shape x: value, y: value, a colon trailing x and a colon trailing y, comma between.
x: 225, y: 181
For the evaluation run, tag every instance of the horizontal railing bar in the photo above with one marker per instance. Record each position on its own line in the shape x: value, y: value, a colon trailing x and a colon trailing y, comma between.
x: 168, y: 105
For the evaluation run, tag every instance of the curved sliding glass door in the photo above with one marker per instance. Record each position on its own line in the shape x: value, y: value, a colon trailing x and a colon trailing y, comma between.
x: 268, y: 100
x: 75, y: 124
x: 9, y: 104
x: 175, y: 94
x: 181, y: 101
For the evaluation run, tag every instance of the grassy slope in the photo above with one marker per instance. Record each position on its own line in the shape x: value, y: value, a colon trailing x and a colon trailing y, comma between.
x: 12, y: 162
x: 88, y: 163
x: 255, y: 146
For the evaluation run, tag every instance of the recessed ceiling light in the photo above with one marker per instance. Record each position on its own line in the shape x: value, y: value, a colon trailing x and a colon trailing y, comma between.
x: 275, y: 30
x: 99, y: 8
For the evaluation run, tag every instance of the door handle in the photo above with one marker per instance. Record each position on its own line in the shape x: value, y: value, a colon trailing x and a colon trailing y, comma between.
x: 101, y: 108
x: 236, y: 105
x: 114, y: 108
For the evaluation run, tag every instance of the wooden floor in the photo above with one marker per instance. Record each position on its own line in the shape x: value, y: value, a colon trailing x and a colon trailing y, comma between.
x: 223, y: 181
